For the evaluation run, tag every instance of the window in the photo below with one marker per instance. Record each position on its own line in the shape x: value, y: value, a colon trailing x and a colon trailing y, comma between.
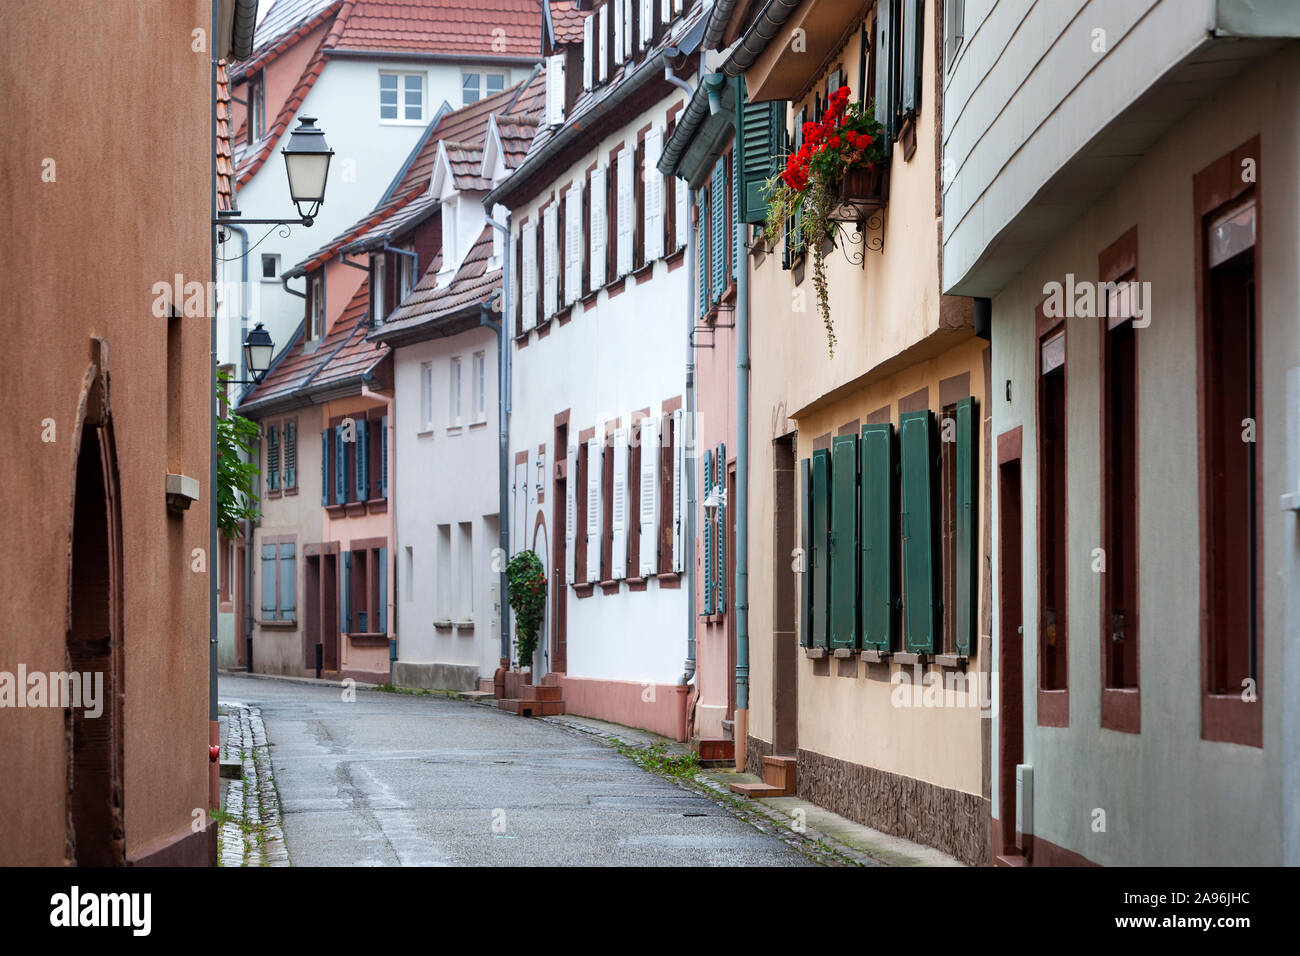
x: 1053, y: 654
x: 408, y: 579
x: 401, y: 97
x: 270, y: 267
x: 607, y: 494
x: 480, y: 383
x: 453, y: 407
x: 1120, y: 707
x: 405, y: 274
x: 256, y: 109
x: 272, y: 458
x: 442, y: 574
x: 378, y: 288
x: 354, y: 459
x: 579, y: 481
x: 426, y: 397
x: 954, y: 29
x: 674, y: 456
x: 279, y: 584
x: 476, y: 86
x: 465, y: 572
x: 365, y: 588
x: 316, y: 305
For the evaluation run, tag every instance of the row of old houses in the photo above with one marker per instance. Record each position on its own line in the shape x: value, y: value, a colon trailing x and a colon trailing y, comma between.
x: 936, y: 578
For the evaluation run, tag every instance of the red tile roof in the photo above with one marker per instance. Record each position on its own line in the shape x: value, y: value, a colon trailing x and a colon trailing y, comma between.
x: 362, y: 228
x: 499, y: 29
x: 427, y: 303
x: 566, y: 19
x: 225, y: 171
x: 466, y: 163
x: 287, y: 22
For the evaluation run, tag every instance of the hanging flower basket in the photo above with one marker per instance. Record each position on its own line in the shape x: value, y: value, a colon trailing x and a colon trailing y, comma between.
x: 835, y: 175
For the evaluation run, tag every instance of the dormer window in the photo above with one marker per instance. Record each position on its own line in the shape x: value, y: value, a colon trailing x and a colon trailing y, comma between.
x: 405, y: 274
x: 256, y: 109
x: 316, y: 305
x: 378, y: 285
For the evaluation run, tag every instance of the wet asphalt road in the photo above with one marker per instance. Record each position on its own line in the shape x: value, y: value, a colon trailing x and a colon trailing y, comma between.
x: 396, y: 780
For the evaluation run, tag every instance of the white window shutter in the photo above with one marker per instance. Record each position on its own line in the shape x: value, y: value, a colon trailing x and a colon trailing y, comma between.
x: 571, y: 514
x: 521, y: 508
x: 649, y: 497
x: 629, y: 11
x: 618, y: 509
x: 654, y: 196
x: 573, y: 244
x: 528, y: 281
x: 625, y: 210
x: 683, y: 214
x: 602, y: 29
x: 555, y: 88
x: 587, y: 51
x: 680, y: 464
x: 665, y: 11
x: 647, y: 22
x: 550, y: 262
x: 677, y: 6
x: 595, y: 471
x: 619, y: 29
x: 599, y: 226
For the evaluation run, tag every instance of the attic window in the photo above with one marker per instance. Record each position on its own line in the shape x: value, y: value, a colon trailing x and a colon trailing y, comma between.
x: 476, y: 86
x: 256, y: 109
x: 401, y: 97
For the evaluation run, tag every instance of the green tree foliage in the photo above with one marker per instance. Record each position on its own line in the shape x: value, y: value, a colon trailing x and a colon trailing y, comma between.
x: 236, y: 474
x: 527, y: 585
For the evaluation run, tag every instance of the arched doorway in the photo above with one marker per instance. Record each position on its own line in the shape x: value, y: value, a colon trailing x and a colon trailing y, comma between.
x: 95, y: 831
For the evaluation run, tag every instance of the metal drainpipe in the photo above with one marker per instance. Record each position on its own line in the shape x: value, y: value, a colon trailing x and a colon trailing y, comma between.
x: 503, y: 426
x: 742, y: 480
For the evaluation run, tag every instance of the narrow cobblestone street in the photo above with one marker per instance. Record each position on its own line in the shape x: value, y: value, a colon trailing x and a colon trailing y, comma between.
x: 393, y: 779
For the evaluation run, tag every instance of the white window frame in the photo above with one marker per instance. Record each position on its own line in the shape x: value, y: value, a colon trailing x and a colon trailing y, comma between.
x: 426, y: 397
x: 275, y: 277
x: 377, y: 285
x: 317, y: 330
x: 482, y: 92
x: 454, y: 403
x: 479, y: 385
x: 402, y: 119
x: 405, y: 274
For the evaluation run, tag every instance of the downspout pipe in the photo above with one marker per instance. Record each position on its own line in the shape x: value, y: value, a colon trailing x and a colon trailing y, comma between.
x: 692, y: 251
x: 503, y: 424
x: 742, y: 484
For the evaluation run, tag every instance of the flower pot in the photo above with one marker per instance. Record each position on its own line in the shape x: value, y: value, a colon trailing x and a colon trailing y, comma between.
x: 860, y: 191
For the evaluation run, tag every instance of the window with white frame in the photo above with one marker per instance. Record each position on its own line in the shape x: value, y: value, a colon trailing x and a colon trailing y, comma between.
x: 270, y: 267
x: 401, y: 97
x: 406, y: 274
x: 465, y: 571
x: 317, y: 306
x: 480, y: 386
x: 476, y: 85
x: 426, y: 397
x: 378, y: 285
x: 453, y: 407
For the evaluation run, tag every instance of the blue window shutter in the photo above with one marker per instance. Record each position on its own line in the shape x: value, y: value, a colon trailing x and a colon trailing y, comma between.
x: 288, y: 582
x: 805, y: 544
x: 340, y: 467
x: 736, y: 224
x: 325, y: 466
x: 345, y: 602
x: 383, y: 457
x: 382, y: 611
x: 708, y: 537
x: 878, y: 537
x: 967, y: 536
x: 270, y: 587
x: 920, y: 591
x: 718, y: 211
x: 363, y: 460
x: 721, y: 574
x: 702, y: 249
x: 291, y: 454
x: 912, y: 28
x: 883, y: 54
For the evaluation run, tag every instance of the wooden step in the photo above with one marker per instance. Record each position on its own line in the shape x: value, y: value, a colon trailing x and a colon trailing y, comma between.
x: 756, y: 790
x: 532, y: 708
x: 780, y: 772
x: 714, y: 750
x: 541, y: 692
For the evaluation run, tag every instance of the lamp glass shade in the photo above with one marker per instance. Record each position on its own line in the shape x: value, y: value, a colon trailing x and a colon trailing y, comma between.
x: 307, y: 163
x: 258, y: 348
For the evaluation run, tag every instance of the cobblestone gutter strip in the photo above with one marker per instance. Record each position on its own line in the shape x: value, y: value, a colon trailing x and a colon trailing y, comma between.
x: 250, y: 833
x: 818, y: 846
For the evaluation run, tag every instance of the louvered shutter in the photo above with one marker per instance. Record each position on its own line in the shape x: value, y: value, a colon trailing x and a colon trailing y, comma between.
x: 878, y: 534
x: 555, y: 89
x: 625, y: 212
x: 291, y: 454
x: 647, y: 23
x: 550, y: 261
x: 598, y: 228
x: 573, y: 245
x: 363, y: 460
x: 382, y: 598
x: 702, y: 251
x: 594, y: 472
x: 587, y: 52
x: 805, y: 544
x: 325, y: 466
x: 707, y: 468
x: 842, y: 550
x: 618, y: 509
x: 682, y: 214
x: 654, y: 196
x: 345, y: 604
x: 629, y: 14
x: 383, y: 457
x: 571, y: 515
x: 528, y: 281
x: 340, y: 467
x: 736, y: 248
x: 819, y: 572
x: 913, y: 39
x: 665, y: 11
x: 602, y: 28
x: 270, y: 585
x: 917, y: 503
x: 679, y: 491
x: 884, y: 59
x: 619, y: 27
x: 717, y: 238
x: 967, y: 536
x: 272, y: 457
x: 720, y: 573
x: 288, y: 581
x: 649, y: 516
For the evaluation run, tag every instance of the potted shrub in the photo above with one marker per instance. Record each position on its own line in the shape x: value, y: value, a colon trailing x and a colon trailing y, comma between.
x: 526, y: 582
x: 841, y: 160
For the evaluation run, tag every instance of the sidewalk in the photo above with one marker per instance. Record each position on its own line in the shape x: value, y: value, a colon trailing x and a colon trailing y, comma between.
x: 250, y: 833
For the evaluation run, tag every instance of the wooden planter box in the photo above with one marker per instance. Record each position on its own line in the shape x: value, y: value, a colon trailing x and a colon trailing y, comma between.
x: 861, y: 192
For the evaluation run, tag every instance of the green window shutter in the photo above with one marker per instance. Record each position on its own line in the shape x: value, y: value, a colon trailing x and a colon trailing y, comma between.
x: 720, y: 575
x: 270, y: 587
x: 759, y: 147
x: 383, y: 457
x: 291, y: 454
x: 843, y: 548
x: 920, y: 593
x: 340, y: 467
x: 805, y: 544
x: 879, y: 532
x: 272, y: 457
x: 736, y: 225
x: 882, y: 51
x: 288, y: 582
x: 967, y: 537
x: 708, y: 537
x: 913, y: 38
x: 345, y: 598
x: 702, y: 249
x: 362, y: 471
x: 717, y: 242
x: 382, y: 611
x: 325, y: 466
x: 821, y: 532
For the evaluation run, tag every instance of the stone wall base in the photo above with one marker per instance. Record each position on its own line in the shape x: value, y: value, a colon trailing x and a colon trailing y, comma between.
x: 435, y: 676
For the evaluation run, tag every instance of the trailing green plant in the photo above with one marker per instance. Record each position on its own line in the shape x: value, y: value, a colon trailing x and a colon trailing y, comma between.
x: 847, y: 137
x: 236, y: 474
x: 526, y: 582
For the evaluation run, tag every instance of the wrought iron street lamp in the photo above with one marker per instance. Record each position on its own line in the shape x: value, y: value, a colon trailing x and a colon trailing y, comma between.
x: 258, y: 349
x: 307, y: 164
